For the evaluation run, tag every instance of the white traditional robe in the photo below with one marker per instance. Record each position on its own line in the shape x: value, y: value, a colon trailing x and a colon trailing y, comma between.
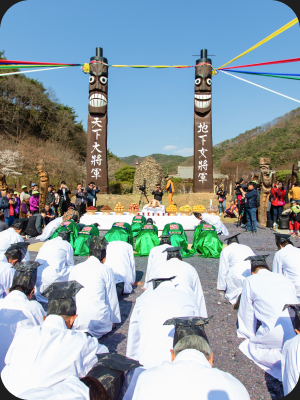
x: 189, y: 376
x: 290, y: 364
x: 185, y: 275
x: 6, y: 277
x: 70, y: 389
x: 287, y: 262
x: 49, y: 229
x: 155, y: 258
x: 54, y: 269
x: 120, y: 258
x: 44, y: 355
x: 13, y: 237
x: 215, y: 220
x: 16, y: 311
x: 233, y: 270
x: 149, y: 341
x: 263, y: 297
x: 97, y: 302
x: 59, y: 248
x: 4, y: 245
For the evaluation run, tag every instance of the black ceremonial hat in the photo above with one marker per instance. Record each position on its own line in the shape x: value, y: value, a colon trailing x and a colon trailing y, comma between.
x: 173, y: 252
x: 26, y: 273
x: 197, y: 214
x: 296, y: 309
x: 18, y: 250
x: 281, y: 237
x: 96, y: 242
x: 258, y: 261
x: 158, y: 281
x: 188, y: 326
x: 233, y: 238
x: 65, y: 235
x: 19, y: 223
x: 109, y: 370
x: 60, y: 296
x: 165, y: 239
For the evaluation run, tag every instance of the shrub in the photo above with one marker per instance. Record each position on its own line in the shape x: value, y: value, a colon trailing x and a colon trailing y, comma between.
x: 125, y: 174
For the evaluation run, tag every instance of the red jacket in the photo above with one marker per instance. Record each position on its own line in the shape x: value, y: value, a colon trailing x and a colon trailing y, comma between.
x: 278, y: 195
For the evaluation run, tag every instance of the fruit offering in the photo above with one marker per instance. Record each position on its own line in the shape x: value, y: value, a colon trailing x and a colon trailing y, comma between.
x: 199, y: 208
x: 119, y: 207
x: 105, y: 208
x: 91, y: 208
x: 186, y: 208
x: 172, y: 208
x: 133, y: 207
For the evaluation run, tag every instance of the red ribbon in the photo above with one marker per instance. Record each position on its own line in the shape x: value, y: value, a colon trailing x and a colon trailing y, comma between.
x: 266, y: 63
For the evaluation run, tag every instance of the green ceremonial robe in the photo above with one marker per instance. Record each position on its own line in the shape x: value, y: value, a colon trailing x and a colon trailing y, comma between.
x: 178, y: 238
x: 146, y: 240
x: 81, y: 249
x: 137, y: 224
x: 68, y: 226
x: 206, y: 241
x: 119, y: 231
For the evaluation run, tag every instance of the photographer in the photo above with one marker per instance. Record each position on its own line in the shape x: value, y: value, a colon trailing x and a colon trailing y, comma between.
x: 64, y: 200
x: 81, y: 199
x: 92, y: 190
x: 158, y: 193
x: 251, y: 207
x: 221, y: 193
x: 278, y: 193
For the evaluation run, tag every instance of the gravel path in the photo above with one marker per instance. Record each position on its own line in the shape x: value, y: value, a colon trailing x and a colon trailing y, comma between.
x: 221, y: 330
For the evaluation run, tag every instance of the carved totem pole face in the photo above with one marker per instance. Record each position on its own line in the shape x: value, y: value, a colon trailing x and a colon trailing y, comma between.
x: 264, y: 166
x: 203, y: 81
x: 98, y: 88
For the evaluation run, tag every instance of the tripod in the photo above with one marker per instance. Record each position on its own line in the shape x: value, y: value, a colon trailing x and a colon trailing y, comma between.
x: 142, y: 198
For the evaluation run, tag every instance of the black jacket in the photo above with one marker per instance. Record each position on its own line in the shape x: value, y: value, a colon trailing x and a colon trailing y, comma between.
x: 222, y: 193
x: 158, y: 195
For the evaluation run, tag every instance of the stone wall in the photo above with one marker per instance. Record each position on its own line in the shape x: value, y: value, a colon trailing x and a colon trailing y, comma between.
x: 150, y: 170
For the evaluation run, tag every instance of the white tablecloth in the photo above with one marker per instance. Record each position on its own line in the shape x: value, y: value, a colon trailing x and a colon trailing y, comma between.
x: 106, y: 221
x: 152, y: 212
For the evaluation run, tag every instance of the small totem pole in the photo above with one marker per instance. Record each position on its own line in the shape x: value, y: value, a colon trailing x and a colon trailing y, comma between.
x: 96, y: 158
x: 266, y: 185
x: 44, y: 182
x: 203, y: 162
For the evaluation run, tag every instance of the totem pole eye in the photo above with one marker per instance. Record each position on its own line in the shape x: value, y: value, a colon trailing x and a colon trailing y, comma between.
x: 197, y: 81
x: 208, y: 81
x: 103, y: 80
x: 92, y: 79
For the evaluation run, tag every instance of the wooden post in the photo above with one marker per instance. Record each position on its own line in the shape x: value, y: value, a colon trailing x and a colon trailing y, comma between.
x: 44, y: 182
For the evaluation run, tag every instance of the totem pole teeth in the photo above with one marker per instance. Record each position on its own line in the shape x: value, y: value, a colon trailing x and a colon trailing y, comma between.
x: 97, y: 100
x: 200, y: 100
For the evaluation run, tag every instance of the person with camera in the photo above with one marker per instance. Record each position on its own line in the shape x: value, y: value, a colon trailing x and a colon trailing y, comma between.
x: 221, y: 193
x: 81, y: 199
x: 251, y: 207
x: 64, y: 200
x: 158, y: 193
x: 92, y: 191
x: 170, y: 189
x: 278, y: 193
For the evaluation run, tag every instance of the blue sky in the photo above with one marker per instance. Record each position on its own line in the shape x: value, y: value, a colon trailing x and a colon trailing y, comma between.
x: 149, y: 110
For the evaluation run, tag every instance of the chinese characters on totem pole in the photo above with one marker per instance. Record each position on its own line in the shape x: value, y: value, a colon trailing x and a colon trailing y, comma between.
x: 203, y: 162
x: 96, y: 158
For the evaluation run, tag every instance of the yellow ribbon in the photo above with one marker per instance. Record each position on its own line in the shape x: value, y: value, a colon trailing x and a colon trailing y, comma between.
x: 291, y: 23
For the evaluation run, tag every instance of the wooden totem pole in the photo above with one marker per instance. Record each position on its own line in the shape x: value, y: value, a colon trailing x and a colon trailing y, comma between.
x: 266, y: 185
x: 96, y: 158
x: 203, y: 160
x: 44, y: 182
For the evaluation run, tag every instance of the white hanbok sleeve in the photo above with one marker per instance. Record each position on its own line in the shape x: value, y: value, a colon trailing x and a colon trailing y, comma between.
x: 246, y: 316
x: 199, y: 296
x: 133, y: 340
x: 290, y: 364
x: 112, y: 298
x: 132, y: 264
x: 277, y: 264
x: 37, y: 311
x: 6, y: 279
x: 70, y: 258
x: 223, y: 269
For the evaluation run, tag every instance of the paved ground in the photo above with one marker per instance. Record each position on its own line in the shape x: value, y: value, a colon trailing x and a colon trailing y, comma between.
x: 222, y: 329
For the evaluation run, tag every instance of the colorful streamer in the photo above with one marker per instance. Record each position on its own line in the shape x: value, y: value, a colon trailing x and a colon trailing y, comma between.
x: 287, y: 26
x: 36, y: 70
x: 276, y: 74
x: 265, y: 63
x: 35, y: 63
x: 262, y: 87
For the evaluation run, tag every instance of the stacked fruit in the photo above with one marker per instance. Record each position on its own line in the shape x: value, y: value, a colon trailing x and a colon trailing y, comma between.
x: 91, y: 208
x: 105, y: 208
x: 199, y: 208
x: 133, y: 207
x: 119, y: 207
x: 172, y: 208
x: 186, y: 208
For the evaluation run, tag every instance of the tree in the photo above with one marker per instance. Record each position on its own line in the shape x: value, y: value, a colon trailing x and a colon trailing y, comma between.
x: 125, y: 174
x: 10, y: 162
